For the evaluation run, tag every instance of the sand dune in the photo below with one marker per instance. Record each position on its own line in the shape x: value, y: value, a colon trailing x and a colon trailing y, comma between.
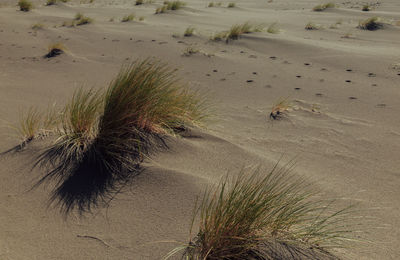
x: 343, y: 128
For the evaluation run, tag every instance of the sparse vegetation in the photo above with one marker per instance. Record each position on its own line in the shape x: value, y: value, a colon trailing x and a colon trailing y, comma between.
x: 311, y: 26
x: 190, y: 50
x: 29, y: 125
x: 273, y: 28
x: 78, y: 16
x: 25, y: 5
x: 323, y: 7
x: 189, y: 31
x: 211, y: 4
x: 253, y: 215
x: 128, y: 18
x: 84, y: 20
x: 280, y: 109
x: 51, y: 2
x: 236, y: 31
x: 141, y: 18
x: 231, y: 5
x: 139, y: 2
x: 55, y: 49
x: 366, y: 8
x: 174, y: 5
x: 37, y: 26
x: 371, y: 24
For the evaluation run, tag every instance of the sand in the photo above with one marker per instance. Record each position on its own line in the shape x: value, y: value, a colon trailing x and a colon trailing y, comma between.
x: 343, y: 130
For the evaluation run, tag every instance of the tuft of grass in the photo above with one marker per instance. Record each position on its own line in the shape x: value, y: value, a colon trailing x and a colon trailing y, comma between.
x: 189, y: 31
x: 128, y: 18
x: 211, y: 4
x: 161, y: 10
x: 175, y: 5
x: 29, y: 126
x: 323, y: 7
x: 190, y: 50
x: 219, y: 36
x: 231, y: 5
x: 55, y: 49
x: 84, y: 20
x: 37, y: 26
x: 141, y: 18
x: 280, y: 109
x: 78, y: 16
x: 311, y: 26
x: 366, y: 8
x: 51, y: 2
x: 139, y: 2
x: 146, y: 96
x: 25, y: 5
x: 371, y: 24
x: 273, y: 28
x: 256, y: 214
x: 236, y: 31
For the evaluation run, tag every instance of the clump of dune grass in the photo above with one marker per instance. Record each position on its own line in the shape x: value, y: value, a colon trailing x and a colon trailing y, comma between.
x: 219, y: 36
x: 29, y: 126
x: 84, y: 20
x: 108, y: 133
x: 237, y: 30
x: 51, y: 2
x: 190, y: 50
x: 211, y: 4
x: 260, y: 215
x: 141, y: 18
x: 78, y: 16
x: 139, y: 2
x: 25, y: 5
x: 366, y: 8
x: 371, y: 24
x: 323, y: 7
x: 273, y: 28
x: 280, y: 109
x: 173, y: 5
x: 189, y: 31
x: 311, y: 26
x: 128, y: 18
x: 231, y: 5
x: 55, y: 49
x: 37, y: 26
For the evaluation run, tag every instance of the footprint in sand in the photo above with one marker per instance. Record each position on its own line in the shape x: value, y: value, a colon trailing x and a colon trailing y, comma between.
x: 223, y: 79
x: 242, y: 52
x: 348, y: 81
x: 352, y: 98
x: 272, y: 58
x: 267, y: 86
x: 349, y: 70
x: 254, y: 73
x: 215, y: 70
x: 321, y: 80
x: 371, y: 75
x: 286, y: 62
x: 153, y: 40
x: 298, y: 76
x: 374, y: 85
x: 249, y: 81
x: 398, y: 74
x: 208, y: 75
x: 253, y: 57
x: 319, y: 94
x: 382, y: 105
x: 307, y: 64
x: 297, y: 88
x: 324, y: 69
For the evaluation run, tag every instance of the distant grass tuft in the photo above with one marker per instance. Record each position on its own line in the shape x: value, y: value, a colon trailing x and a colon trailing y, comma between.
x: 231, y: 5
x: 84, y: 20
x: 37, y: 26
x: 323, y: 7
x: 51, y: 2
x: 55, y: 49
x: 366, y: 8
x: 128, y: 18
x: 139, y: 2
x: 311, y: 26
x: 190, y: 50
x: 371, y: 24
x: 174, y: 5
x: 255, y: 215
x: 273, y: 28
x: 236, y: 31
x: 25, y: 5
x: 189, y: 31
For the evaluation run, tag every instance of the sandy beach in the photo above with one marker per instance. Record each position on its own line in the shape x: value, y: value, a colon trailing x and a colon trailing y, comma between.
x: 342, y: 128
